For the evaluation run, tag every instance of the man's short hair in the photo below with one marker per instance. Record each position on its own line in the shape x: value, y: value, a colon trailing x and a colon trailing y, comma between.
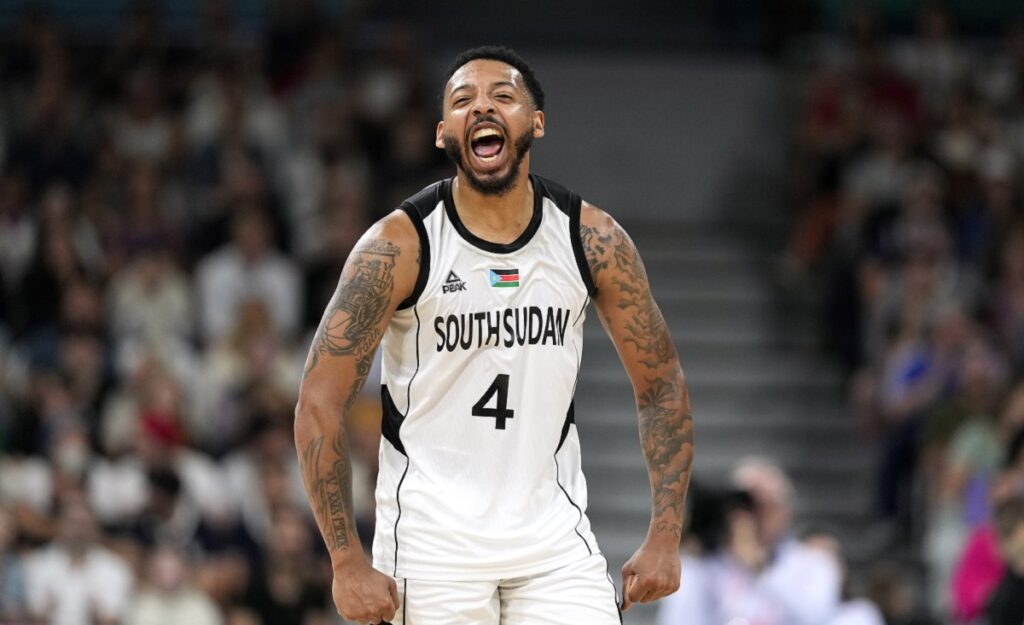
x: 509, y: 57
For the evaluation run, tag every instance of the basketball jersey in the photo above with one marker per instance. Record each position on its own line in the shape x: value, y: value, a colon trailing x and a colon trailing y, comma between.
x: 480, y: 473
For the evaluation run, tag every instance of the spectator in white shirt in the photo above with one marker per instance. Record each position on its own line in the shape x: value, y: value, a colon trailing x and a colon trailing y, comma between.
x: 245, y: 269
x: 76, y: 581
x: 742, y: 583
x: 757, y: 573
x: 170, y: 597
x: 851, y: 610
x: 151, y: 303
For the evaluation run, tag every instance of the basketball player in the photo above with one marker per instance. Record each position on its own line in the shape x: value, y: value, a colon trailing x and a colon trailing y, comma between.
x: 476, y: 288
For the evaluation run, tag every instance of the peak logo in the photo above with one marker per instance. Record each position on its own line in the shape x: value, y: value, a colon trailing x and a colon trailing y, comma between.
x: 453, y: 283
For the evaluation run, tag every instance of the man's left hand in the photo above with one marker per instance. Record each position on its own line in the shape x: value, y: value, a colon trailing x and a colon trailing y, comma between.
x: 652, y: 573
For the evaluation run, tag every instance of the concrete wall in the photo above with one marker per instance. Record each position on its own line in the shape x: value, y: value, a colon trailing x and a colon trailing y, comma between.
x: 657, y: 138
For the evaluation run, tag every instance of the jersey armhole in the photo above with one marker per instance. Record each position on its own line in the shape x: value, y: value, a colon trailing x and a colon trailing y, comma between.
x: 424, y: 270
x: 575, y: 208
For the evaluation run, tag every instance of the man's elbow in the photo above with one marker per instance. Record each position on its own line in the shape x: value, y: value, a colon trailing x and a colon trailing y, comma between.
x: 310, y: 413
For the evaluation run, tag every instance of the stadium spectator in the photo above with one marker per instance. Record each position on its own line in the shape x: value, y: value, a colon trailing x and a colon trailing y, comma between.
x: 972, y: 458
x: 253, y: 359
x: 141, y: 128
x: 47, y: 147
x: 850, y: 610
x: 1007, y: 604
x: 76, y: 581
x: 248, y: 268
x: 169, y: 595
x: 981, y: 565
x: 151, y: 307
x: 17, y: 228
x: 286, y: 589
x: 760, y: 572
x: 266, y: 455
x: 343, y: 216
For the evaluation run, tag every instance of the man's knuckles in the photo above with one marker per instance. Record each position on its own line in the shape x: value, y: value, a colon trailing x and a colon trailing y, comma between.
x: 369, y: 612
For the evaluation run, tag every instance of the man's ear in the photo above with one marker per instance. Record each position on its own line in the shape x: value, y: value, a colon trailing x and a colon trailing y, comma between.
x: 439, y: 139
x: 538, y: 124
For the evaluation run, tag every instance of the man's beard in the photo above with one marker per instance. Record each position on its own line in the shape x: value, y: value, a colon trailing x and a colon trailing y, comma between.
x: 494, y: 186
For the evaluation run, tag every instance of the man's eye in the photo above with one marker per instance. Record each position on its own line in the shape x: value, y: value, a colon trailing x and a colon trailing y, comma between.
x: 504, y: 97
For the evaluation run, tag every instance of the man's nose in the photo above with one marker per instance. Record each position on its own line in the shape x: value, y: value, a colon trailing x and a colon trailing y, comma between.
x: 482, y: 105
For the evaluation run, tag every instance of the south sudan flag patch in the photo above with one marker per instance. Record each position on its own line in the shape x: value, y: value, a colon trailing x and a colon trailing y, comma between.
x: 504, y: 278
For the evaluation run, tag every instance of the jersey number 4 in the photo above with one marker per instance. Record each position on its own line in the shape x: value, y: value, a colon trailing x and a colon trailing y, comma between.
x: 500, y: 412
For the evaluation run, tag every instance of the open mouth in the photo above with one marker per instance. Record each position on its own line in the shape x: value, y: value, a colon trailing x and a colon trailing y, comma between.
x: 487, y: 143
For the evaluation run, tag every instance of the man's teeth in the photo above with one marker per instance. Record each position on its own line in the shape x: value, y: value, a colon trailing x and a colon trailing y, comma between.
x: 485, y: 132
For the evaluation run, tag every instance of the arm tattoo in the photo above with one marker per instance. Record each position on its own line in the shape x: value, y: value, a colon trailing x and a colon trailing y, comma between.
x: 330, y: 489
x: 666, y: 434
x: 595, y: 247
x: 350, y: 325
x: 663, y: 406
x: 646, y: 329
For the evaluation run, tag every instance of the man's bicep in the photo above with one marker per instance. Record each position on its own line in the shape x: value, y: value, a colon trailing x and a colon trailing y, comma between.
x: 624, y: 300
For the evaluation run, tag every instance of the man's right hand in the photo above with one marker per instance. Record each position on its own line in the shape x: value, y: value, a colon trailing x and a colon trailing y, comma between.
x: 363, y: 594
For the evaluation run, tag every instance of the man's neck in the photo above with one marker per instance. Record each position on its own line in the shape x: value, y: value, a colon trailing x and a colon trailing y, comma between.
x: 496, y: 218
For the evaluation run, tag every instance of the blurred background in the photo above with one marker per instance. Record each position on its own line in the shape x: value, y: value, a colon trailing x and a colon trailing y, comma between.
x: 827, y: 196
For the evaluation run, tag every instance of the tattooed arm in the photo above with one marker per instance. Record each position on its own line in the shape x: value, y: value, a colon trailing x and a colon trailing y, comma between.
x: 635, y: 324
x: 379, y: 273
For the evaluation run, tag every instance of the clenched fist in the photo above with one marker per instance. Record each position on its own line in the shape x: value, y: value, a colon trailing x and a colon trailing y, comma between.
x: 652, y: 573
x: 363, y: 594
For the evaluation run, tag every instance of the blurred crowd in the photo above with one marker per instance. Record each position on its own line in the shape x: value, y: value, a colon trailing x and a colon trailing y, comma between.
x: 909, y: 155
x: 743, y: 561
x: 749, y: 559
x: 174, y: 214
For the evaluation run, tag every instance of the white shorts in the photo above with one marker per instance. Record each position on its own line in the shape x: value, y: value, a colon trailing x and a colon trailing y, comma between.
x: 580, y: 593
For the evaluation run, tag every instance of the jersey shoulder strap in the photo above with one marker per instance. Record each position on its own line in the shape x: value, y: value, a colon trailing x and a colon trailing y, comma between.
x: 569, y: 203
x: 418, y: 207
x: 424, y: 201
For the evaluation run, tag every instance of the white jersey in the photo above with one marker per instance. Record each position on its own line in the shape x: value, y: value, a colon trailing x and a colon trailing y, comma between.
x: 479, y: 461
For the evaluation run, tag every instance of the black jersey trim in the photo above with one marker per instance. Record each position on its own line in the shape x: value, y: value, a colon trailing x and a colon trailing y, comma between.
x: 570, y: 414
x: 426, y: 199
x: 571, y: 204
x: 408, y: 388
x: 615, y: 593
x: 576, y: 239
x: 391, y: 420
x: 490, y: 246
x: 416, y: 216
x: 398, y: 501
x: 570, y: 418
x: 391, y: 417
x: 391, y: 425
x: 573, y: 504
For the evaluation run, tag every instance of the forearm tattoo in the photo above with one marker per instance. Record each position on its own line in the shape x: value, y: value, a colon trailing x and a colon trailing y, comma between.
x: 666, y: 435
x: 330, y: 489
x: 666, y: 426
